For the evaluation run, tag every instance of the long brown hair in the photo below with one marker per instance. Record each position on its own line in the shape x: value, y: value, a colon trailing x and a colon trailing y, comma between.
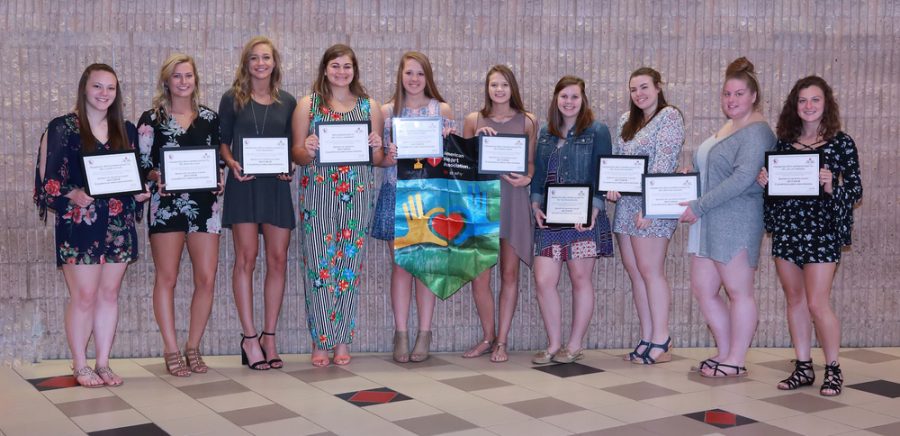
x: 162, y: 99
x: 321, y: 85
x: 431, y: 90
x: 555, y: 118
x: 515, y: 98
x: 790, y: 126
x: 241, y: 85
x: 635, y: 120
x: 115, y: 120
x: 743, y: 70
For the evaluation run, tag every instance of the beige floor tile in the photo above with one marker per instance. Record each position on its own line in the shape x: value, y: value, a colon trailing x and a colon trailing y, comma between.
x: 243, y: 400
x: 30, y: 411
x: 197, y: 425
x: 804, y: 401
x: 47, y: 368
x: 760, y: 410
x: 854, y: 397
x: 604, y: 379
x: 475, y: 383
x: 431, y: 425
x: 884, y: 406
x: 811, y: 425
x: 293, y: 426
x: 640, y: 391
x: 344, y: 385
x: 508, y: 394
x: 470, y: 432
x: 856, y: 417
x: 149, y: 392
x: 696, y: 401
x: 634, y: 411
x: 886, y: 430
x: 868, y: 356
x: 758, y: 429
x: 591, y: 398
x: 754, y: 389
x: 444, y: 397
x: 491, y: 416
x: 446, y: 372
x: 75, y: 394
x: 258, y: 415
x: 92, y: 406
x: 860, y: 433
x: 194, y: 379
x: 679, y: 426
x: 216, y: 388
x: 54, y: 427
x: 534, y: 427
x: 312, y: 375
x: 544, y: 407
x: 583, y: 421
x: 107, y: 420
x: 356, y: 421
x: 402, y: 410
x: 167, y: 411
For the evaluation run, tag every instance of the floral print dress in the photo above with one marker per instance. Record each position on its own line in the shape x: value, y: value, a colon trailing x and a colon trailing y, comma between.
x: 186, y: 212
x: 104, y: 231
x: 335, y: 206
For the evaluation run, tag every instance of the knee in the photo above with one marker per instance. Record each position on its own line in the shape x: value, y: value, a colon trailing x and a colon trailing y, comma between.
x: 276, y: 263
x: 204, y: 283
x: 245, y: 262
x: 83, y: 300
x: 819, y: 308
x: 166, y: 279
x: 108, y: 295
x: 509, y: 276
x: 794, y: 297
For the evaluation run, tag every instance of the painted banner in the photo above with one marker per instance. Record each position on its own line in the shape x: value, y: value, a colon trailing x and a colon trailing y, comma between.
x: 447, y: 217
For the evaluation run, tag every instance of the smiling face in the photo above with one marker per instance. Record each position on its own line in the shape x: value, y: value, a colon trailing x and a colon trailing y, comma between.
x: 569, y: 101
x: 339, y: 71
x: 737, y: 99
x: 644, y: 94
x: 261, y: 62
x: 499, y: 88
x: 100, y: 91
x: 811, y: 104
x: 183, y: 81
x: 414, y: 81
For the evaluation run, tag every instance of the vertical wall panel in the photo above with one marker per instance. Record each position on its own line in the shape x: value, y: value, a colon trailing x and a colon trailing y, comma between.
x: 46, y: 43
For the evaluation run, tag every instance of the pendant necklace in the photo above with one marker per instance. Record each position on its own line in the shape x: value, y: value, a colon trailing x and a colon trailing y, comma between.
x: 265, y: 116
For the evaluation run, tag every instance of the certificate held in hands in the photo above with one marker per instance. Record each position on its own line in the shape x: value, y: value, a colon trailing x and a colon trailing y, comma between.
x: 622, y: 174
x: 794, y: 174
x: 108, y: 174
x: 343, y: 143
x: 567, y: 205
x: 663, y: 192
x: 189, y: 169
x: 418, y: 138
x: 265, y: 156
x: 502, y: 154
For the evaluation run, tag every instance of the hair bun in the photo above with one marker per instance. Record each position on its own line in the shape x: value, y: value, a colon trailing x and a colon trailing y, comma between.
x: 739, y: 65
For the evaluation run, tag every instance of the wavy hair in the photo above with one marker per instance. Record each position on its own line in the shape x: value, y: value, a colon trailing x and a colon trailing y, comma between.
x: 241, y: 85
x: 636, y: 120
x: 162, y: 98
x: 515, y: 98
x: 115, y: 118
x: 790, y: 126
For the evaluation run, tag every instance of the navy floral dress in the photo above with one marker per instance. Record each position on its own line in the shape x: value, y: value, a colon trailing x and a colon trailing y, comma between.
x: 814, y: 230
x: 103, y: 232
x: 187, y: 212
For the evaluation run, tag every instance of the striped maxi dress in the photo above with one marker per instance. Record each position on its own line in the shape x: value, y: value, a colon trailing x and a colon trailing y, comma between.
x: 335, y: 205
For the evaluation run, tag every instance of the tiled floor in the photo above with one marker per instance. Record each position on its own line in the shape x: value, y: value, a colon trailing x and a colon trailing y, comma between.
x: 600, y: 395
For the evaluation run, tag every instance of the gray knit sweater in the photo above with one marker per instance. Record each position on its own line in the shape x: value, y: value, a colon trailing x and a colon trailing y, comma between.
x: 731, y: 203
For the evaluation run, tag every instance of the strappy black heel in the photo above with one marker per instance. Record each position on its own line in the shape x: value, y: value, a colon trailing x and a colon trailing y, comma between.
x: 274, y: 363
x: 245, y: 361
x: 634, y: 354
x: 803, y: 375
x: 666, y: 356
x: 834, y: 380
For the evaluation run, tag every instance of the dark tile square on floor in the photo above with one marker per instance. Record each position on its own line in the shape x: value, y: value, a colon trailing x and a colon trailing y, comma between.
x: 640, y: 391
x: 879, y: 387
x: 568, y: 369
x: 804, y: 403
x: 369, y: 397
x: 720, y: 418
x: 313, y: 375
x: 543, y: 407
x: 55, y: 382
x: 435, y: 424
x: 475, y: 383
x: 868, y: 356
x: 149, y: 429
x: 211, y: 389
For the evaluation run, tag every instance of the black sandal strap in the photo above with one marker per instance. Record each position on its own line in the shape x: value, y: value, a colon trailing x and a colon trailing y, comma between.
x: 803, y: 375
x: 834, y: 379
x: 634, y: 354
x: 738, y: 370
x: 266, y: 334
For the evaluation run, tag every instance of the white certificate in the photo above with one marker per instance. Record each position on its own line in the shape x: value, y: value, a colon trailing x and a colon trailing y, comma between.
x: 567, y: 205
x: 343, y: 143
x: 265, y: 156
x: 503, y: 154
x: 793, y: 174
x: 418, y: 137
x: 110, y: 174
x: 186, y: 169
x: 621, y: 173
x: 663, y: 192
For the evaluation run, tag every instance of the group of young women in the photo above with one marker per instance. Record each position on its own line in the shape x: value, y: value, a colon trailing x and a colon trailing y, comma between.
x: 96, y: 237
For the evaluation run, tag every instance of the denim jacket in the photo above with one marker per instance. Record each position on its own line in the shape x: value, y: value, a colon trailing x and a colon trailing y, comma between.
x: 578, y: 159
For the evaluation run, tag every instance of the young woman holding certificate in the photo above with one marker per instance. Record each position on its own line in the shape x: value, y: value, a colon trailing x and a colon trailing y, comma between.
x: 806, y: 255
x: 415, y: 95
x: 727, y: 222
x: 335, y: 203
x: 568, y: 150
x: 95, y: 237
x: 178, y: 120
x: 253, y: 111
x: 504, y: 113
x: 654, y: 129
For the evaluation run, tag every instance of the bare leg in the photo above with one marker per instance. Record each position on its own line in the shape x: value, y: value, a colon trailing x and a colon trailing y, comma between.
x: 83, y: 282
x: 819, y: 278
x: 737, y: 276
x: 276, y: 240
x: 246, y: 248
x: 106, y: 316
x: 799, y: 321
x: 401, y: 295
x: 705, y: 284
x: 546, y: 279
x: 581, y: 272
x: 425, y: 302
x: 204, y: 251
x: 484, y: 305
x: 166, y: 249
x: 650, y: 254
x: 638, y: 291
x: 509, y: 297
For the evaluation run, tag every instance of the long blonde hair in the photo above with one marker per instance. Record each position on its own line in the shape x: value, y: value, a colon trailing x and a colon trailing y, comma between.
x: 162, y: 98
x: 241, y: 85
